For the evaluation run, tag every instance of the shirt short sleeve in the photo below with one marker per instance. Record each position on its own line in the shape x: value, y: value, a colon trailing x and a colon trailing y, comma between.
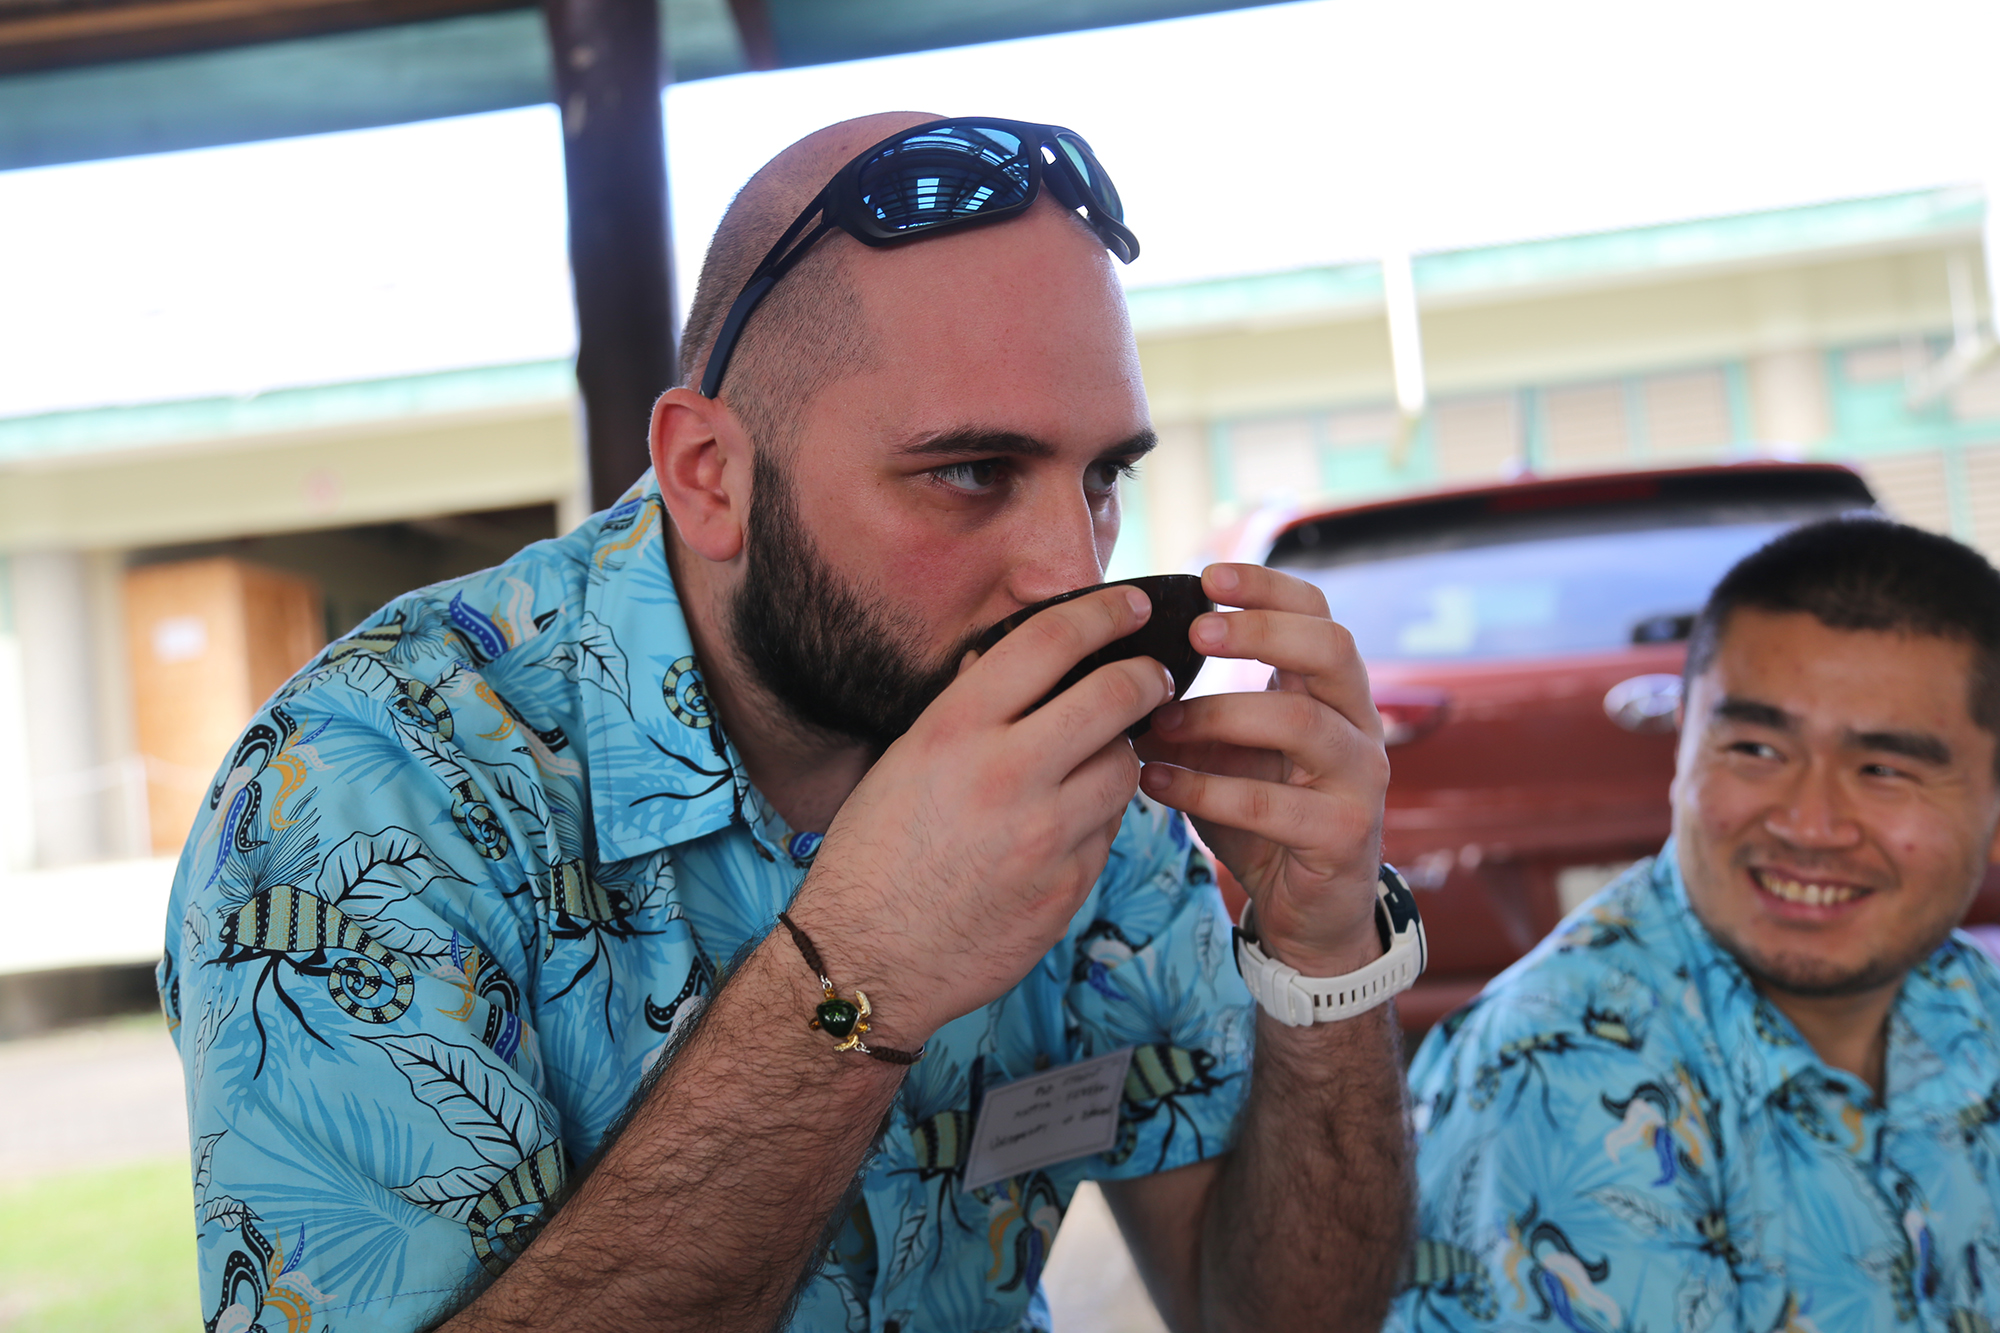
x: 350, y: 939
x: 1565, y: 1177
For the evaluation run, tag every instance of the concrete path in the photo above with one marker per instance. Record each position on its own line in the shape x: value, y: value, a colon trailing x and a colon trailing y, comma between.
x: 1090, y: 1280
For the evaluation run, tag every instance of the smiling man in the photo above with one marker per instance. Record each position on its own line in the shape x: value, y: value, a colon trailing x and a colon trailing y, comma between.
x: 1755, y: 1084
x: 678, y: 927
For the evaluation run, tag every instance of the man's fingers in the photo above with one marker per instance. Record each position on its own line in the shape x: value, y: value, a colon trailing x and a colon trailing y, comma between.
x: 1022, y: 668
x: 1098, y: 789
x: 1310, y: 734
x: 1262, y: 586
x: 1312, y: 651
x: 1095, y: 711
x: 1298, y: 818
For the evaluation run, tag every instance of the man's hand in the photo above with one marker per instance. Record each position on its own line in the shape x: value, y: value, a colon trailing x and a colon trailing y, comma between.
x: 960, y: 859
x: 1286, y: 786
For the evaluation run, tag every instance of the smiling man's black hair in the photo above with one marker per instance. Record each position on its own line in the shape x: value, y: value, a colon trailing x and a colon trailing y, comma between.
x: 1864, y: 572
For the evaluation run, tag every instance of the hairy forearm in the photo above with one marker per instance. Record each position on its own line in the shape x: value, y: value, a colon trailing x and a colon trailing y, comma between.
x: 1310, y: 1218
x: 706, y: 1211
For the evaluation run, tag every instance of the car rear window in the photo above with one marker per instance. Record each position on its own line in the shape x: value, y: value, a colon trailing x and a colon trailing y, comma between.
x: 1535, y: 584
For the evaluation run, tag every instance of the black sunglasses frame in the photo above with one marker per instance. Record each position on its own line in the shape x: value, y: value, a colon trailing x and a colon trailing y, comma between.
x: 840, y: 204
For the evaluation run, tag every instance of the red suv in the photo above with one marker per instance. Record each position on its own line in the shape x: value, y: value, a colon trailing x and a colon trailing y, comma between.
x: 1524, y: 641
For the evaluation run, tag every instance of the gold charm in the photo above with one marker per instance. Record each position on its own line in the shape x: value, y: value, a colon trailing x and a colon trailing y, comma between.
x: 853, y: 1041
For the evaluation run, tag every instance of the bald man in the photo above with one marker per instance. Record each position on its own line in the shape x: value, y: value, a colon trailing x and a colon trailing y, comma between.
x: 677, y: 926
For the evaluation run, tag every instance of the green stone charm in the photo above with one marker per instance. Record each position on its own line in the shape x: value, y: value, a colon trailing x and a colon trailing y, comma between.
x: 837, y: 1017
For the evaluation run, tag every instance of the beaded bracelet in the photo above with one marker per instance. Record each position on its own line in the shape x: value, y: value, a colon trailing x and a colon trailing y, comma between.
x: 841, y: 1018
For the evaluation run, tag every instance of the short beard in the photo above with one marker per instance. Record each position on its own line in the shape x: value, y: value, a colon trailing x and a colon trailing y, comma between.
x: 837, y: 659
x: 1814, y: 978
x: 1811, y: 977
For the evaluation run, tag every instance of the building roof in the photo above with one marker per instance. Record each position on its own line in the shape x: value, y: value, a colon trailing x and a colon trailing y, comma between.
x: 1918, y: 219
x: 1914, y: 220
x: 51, y: 436
x: 83, y: 79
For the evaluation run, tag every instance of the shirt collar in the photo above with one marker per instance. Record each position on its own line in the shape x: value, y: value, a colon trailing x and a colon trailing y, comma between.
x: 1942, y: 1046
x: 661, y: 770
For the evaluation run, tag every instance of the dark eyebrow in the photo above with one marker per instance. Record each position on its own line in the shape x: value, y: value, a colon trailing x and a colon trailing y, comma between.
x: 1756, y: 714
x: 1918, y: 745
x: 989, y: 443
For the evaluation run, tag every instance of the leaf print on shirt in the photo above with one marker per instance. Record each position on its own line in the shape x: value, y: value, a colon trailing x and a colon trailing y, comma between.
x: 594, y: 658
x: 476, y: 1103
x: 1545, y: 1267
x: 368, y: 872
x: 1526, y: 1054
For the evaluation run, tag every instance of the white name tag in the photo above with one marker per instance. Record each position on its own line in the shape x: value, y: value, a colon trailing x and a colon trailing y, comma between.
x: 1050, y: 1117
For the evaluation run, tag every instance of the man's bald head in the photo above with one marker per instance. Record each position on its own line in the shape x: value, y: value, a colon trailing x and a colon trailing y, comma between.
x: 811, y: 330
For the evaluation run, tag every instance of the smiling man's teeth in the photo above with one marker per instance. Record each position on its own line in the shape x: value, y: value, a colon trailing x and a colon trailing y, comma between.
x: 1812, y: 895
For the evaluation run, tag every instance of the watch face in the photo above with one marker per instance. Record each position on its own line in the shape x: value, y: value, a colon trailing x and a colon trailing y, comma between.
x: 1400, y: 902
x: 1396, y: 913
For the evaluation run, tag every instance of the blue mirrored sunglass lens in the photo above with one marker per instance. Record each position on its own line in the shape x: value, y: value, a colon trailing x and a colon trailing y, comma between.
x: 1092, y: 174
x: 936, y: 177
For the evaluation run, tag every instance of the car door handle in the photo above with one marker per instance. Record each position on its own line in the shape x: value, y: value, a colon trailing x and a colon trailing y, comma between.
x: 1644, y: 703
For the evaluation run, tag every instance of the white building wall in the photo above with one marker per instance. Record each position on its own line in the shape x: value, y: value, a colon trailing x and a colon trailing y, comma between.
x: 80, y: 805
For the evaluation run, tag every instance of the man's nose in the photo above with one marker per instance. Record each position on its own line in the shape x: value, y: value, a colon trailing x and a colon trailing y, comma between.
x: 1055, y: 547
x: 1816, y: 811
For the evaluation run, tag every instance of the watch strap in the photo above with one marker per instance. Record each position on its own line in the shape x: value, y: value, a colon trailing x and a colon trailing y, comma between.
x: 1300, y: 1001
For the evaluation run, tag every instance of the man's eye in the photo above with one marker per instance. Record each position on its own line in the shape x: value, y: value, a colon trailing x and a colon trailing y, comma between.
x: 1104, y: 476
x: 1754, y: 750
x: 975, y: 478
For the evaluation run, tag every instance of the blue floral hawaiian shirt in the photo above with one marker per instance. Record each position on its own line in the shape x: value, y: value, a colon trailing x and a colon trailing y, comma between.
x: 1621, y: 1133
x: 464, y: 877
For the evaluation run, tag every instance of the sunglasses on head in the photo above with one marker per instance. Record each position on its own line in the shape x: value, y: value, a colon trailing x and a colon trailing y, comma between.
x: 931, y: 178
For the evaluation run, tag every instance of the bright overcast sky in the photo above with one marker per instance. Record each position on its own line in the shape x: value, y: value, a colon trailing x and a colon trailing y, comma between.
x: 1263, y: 139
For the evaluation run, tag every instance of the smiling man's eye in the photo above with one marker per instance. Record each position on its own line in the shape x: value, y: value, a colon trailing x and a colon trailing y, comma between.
x: 974, y: 477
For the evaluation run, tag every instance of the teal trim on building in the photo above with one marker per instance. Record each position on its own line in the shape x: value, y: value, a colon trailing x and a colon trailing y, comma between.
x: 1742, y: 420
x: 1260, y: 296
x: 1534, y: 428
x: 1876, y: 418
x: 1778, y: 234
x: 93, y: 430
x: 1221, y: 463
x: 1870, y: 420
x: 1635, y: 416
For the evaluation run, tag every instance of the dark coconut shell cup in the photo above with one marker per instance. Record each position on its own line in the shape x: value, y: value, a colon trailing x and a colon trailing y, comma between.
x: 1177, y: 599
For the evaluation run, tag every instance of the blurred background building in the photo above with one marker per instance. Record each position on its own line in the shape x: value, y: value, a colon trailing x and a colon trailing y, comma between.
x: 169, y: 563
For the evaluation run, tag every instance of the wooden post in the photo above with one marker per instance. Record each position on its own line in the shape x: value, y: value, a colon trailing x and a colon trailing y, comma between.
x: 608, y: 81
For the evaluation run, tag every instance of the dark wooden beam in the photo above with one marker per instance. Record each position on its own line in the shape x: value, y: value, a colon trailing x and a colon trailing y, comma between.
x: 52, y: 34
x: 608, y: 82
x: 753, y: 27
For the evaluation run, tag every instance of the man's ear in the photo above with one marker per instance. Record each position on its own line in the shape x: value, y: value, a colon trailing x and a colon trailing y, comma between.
x: 703, y: 461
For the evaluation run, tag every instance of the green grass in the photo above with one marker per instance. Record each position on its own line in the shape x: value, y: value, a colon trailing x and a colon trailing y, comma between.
x: 105, y: 1251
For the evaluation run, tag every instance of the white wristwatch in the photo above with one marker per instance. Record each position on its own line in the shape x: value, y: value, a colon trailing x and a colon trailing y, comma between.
x: 1299, y: 1001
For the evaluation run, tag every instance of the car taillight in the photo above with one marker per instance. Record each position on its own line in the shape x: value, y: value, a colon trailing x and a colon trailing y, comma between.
x: 1409, y: 712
